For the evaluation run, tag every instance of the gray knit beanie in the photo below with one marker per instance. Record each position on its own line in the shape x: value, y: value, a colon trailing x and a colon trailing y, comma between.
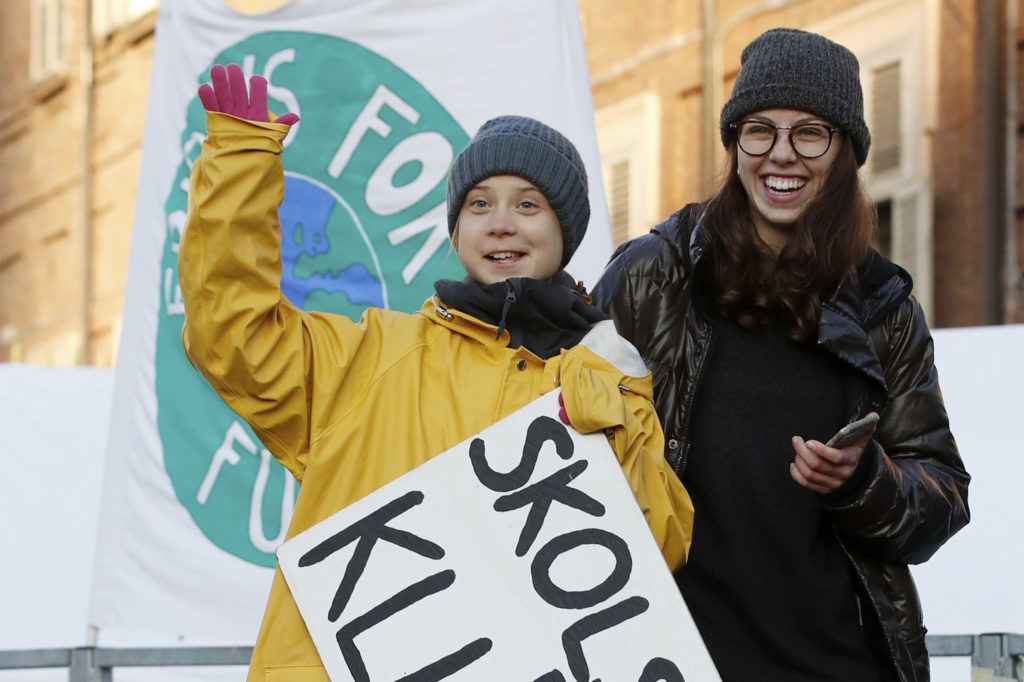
x: 786, y: 68
x: 517, y: 145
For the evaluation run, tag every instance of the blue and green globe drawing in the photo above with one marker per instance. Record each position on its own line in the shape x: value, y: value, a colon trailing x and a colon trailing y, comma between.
x: 309, y: 214
x: 362, y: 224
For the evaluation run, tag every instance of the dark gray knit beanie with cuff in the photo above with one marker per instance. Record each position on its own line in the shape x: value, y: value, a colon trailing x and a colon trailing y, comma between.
x: 787, y: 68
x: 525, y: 147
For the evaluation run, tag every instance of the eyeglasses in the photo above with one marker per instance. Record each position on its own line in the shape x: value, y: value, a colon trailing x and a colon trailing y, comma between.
x: 809, y: 140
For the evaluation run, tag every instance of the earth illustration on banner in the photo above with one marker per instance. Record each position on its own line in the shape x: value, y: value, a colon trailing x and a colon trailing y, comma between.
x: 363, y: 223
x: 305, y: 214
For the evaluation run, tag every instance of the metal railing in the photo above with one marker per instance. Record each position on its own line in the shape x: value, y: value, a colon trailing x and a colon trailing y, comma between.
x: 96, y: 664
x: 996, y: 655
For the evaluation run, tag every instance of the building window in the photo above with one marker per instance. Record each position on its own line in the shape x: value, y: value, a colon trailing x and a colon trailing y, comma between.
x: 897, y: 44
x: 901, y: 189
x: 49, y: 51
x: 110, y: 15
x: 628, y: 137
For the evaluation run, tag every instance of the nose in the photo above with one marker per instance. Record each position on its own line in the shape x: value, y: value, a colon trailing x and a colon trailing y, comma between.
x: 501, y: 223
x: 782, y: 151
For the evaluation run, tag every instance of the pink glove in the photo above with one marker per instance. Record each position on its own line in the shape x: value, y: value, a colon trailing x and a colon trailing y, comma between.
x: 561, y: 410
x: 228, y: 95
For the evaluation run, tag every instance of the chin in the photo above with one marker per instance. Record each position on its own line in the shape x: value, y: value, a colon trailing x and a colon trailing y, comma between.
x: 492, y: 279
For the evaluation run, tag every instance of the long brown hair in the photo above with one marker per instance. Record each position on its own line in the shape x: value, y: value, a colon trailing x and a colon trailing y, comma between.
x: 830, y: 238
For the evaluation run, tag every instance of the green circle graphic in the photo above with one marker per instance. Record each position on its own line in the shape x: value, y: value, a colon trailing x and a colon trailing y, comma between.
x: 362, y: 225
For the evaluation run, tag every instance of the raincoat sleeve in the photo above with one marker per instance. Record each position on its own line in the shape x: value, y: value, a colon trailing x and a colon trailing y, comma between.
x: 254, y: 347
x: 606, y: 393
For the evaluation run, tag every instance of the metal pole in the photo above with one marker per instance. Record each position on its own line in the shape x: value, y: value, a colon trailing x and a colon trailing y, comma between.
x: 1013, y: 267
x: 991, y: 122
x: 83, y: 667
x: 87, y: 83
x: 711, y: 74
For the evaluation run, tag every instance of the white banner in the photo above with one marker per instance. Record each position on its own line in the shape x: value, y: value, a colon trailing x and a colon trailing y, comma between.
x: 519, y: 554
x: 388, y: 91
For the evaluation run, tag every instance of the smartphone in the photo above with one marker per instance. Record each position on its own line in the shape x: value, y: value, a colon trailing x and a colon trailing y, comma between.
x: 852, y: 432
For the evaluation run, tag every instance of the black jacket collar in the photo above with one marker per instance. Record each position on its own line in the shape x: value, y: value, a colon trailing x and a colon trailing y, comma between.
x: 868, y: 297
x: 544, y: 317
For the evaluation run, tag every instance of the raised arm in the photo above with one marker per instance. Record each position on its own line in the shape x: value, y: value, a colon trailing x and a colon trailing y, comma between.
x: 256, y: 349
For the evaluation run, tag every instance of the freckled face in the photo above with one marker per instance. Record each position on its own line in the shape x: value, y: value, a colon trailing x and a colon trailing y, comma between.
x: 781, y: 184
x: 507, y: 228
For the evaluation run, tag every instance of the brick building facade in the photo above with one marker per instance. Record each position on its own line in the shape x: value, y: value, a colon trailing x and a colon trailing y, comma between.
x: 942, y: 99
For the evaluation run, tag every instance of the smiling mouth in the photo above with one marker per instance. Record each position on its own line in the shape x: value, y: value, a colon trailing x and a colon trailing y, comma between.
x: 780, y: 184
x: 503, y: 256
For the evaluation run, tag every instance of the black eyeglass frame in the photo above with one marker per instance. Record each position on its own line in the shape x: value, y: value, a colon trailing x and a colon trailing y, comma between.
x: 832, y: 130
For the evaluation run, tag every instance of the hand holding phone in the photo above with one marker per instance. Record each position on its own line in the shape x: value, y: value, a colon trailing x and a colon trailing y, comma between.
x: 853, y: 432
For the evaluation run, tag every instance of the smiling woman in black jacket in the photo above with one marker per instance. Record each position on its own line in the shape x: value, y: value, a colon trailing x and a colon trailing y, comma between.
x: 769, y: 323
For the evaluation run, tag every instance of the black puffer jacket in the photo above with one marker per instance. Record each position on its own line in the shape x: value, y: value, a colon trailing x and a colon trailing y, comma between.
x: 915, y: 497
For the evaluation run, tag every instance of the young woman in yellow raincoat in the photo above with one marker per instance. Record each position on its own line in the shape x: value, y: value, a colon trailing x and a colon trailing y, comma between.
x: 323, y: 391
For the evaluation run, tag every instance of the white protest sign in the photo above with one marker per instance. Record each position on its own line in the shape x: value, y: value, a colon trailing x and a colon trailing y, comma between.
x: 519, y: 554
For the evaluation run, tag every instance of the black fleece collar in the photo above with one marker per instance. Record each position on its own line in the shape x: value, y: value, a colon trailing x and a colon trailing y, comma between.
x: 544, y: 317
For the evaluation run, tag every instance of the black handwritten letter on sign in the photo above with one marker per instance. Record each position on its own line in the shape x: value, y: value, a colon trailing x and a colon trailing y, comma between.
x: 519, y: 555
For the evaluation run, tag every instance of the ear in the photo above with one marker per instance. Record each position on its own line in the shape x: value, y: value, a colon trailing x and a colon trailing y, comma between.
x: 455, y: 237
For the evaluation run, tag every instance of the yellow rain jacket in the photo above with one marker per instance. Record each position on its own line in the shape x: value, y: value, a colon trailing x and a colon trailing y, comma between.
x: 322, y: 392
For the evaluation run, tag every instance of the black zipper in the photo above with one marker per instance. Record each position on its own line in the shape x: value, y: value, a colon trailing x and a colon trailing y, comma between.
x: 515, y: 335
x: 684, y: 444
x: 886, y: 635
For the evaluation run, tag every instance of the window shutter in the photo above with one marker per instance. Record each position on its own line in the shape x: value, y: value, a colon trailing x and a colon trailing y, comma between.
x: 912, y: 239
x: 618, y: 201
x: 885, y: 123
x: 906, y: 232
